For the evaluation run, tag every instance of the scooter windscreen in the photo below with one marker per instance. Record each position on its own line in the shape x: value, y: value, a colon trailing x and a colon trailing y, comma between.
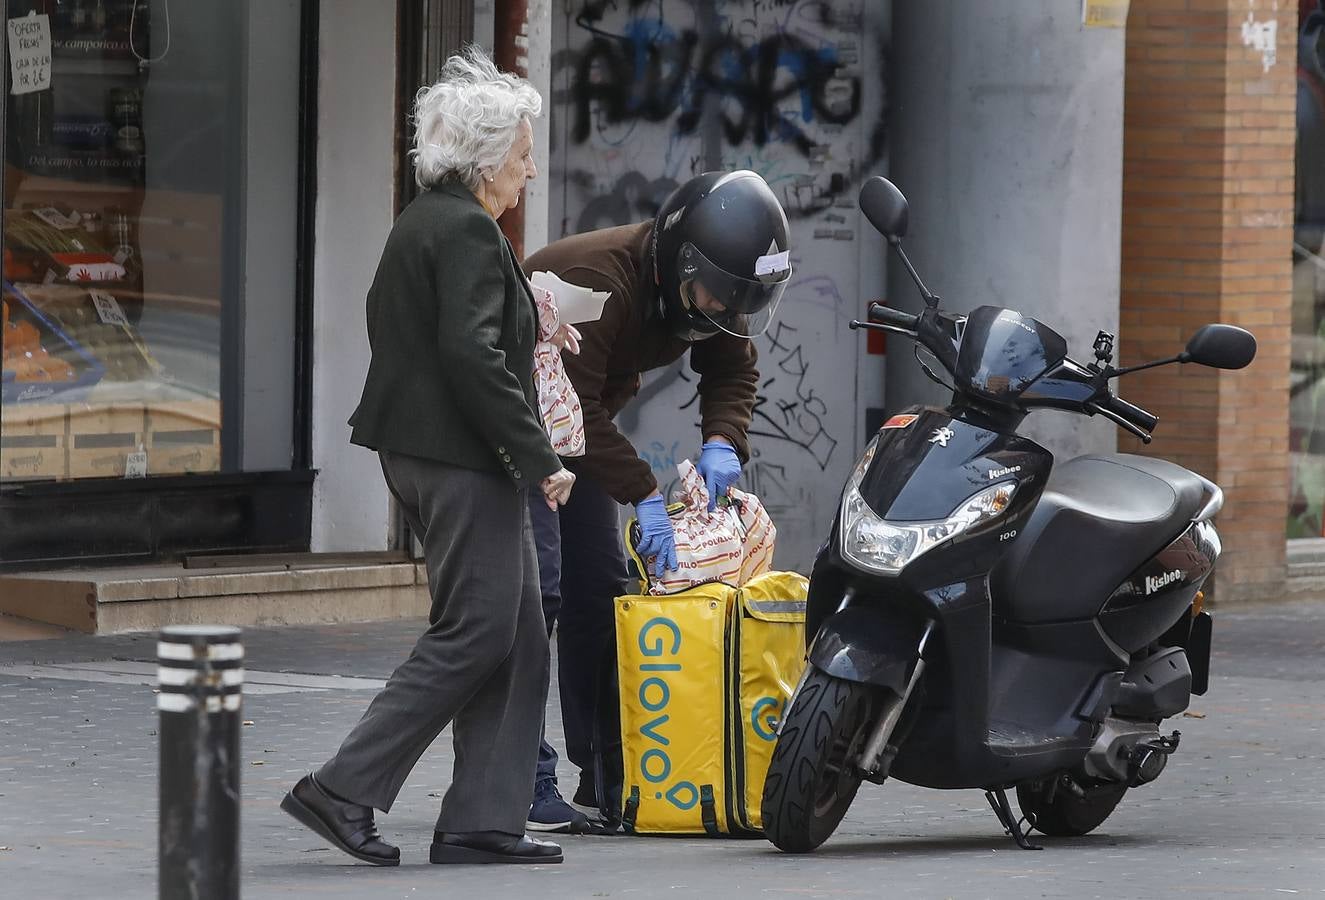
x: 1003, y: 352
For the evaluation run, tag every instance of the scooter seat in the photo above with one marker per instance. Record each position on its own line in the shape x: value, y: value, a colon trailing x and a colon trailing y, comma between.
x: 1100, y: 517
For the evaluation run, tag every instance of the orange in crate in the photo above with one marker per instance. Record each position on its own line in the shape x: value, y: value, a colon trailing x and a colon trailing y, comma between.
x: 24, y: 355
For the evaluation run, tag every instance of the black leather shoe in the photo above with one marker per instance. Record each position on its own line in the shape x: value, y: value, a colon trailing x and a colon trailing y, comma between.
x: 347, y: 826
x: 491, y: 847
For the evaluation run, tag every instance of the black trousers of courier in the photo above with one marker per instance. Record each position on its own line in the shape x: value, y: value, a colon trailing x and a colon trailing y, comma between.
x: 583, y: 570
x: 482, y: 665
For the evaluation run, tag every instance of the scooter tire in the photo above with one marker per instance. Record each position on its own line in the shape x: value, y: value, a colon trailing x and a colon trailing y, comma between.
x: 812, y: 778
x: 1066, y: 814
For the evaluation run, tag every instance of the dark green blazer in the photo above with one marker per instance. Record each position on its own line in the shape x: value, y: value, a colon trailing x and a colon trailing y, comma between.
x: 452, y: 325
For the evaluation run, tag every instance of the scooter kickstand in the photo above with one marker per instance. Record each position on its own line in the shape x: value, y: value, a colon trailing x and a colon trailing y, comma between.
x: 998, y: 799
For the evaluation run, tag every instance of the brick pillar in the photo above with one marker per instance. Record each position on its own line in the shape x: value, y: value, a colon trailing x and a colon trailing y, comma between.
x: 1209, y: 141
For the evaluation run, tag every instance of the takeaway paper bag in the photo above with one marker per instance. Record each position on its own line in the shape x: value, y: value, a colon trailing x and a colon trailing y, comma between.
x: 558, y: 404
x: 733, y: 543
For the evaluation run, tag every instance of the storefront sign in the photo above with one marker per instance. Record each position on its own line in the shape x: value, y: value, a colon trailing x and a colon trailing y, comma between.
x: 30, y: 53
x: 1104, y: 13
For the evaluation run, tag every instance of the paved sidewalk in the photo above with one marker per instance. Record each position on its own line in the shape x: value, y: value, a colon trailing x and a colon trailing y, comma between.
x: 1239, y: 811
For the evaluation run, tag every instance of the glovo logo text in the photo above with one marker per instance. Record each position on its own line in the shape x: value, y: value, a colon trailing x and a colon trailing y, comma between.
x: 660, y: 643
x: 764, y: 717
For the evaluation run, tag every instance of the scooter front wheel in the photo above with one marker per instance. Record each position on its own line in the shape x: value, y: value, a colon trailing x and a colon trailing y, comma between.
x: 813, y: 776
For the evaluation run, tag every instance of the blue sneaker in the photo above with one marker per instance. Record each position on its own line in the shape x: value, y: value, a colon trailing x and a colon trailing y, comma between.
x: 551, y: 813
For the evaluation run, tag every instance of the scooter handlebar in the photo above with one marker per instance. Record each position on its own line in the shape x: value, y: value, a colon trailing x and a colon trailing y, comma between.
x: 893, y: 318
x: 1133, y: 413
x: 1130, y: 416
x: 1138, y: 421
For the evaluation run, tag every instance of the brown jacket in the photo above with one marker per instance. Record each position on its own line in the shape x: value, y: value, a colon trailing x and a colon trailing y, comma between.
x: 628, y: 340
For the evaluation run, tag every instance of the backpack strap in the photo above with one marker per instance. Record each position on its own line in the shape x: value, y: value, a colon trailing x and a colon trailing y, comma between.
x: 709, y: 810
x: 631, y: 812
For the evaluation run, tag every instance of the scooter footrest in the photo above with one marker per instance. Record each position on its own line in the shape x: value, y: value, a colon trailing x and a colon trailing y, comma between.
x: 1008, y: 739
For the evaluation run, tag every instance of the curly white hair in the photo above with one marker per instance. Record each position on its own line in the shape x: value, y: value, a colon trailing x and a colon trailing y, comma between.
x: 467, y: 121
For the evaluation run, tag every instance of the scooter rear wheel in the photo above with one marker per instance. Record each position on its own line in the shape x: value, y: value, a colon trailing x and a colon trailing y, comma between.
x: 1056, y: 811
x: 812, y: 777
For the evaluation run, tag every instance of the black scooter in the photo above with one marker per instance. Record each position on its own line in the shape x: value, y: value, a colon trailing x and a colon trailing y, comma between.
x: 984, y: 619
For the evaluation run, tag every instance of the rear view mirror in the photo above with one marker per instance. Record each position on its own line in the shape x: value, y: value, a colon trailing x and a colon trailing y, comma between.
x: 886, y: 207
x: 1221, y: 347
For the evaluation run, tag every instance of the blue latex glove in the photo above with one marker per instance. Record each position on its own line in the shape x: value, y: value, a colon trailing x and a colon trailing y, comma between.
x: 720, y: 467
x: 656, y: 535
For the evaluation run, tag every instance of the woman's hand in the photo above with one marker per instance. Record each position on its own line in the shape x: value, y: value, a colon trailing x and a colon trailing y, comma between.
x: 566, y: 338
x: 557, y: 487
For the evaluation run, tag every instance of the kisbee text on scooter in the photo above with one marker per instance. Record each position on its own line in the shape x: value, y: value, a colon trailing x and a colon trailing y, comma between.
x: 982, y: 618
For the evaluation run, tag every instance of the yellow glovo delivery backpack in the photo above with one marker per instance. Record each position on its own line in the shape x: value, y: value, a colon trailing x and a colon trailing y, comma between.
x: 705, y: 673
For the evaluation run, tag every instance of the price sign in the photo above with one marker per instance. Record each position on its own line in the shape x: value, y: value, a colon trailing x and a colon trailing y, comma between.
x: 109, y: 309
x: 135, y: 465
x: 30, y: 53
x: 53, y: 217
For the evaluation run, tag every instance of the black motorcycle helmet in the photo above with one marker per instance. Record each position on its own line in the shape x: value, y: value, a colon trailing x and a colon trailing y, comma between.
x: 720, y: 256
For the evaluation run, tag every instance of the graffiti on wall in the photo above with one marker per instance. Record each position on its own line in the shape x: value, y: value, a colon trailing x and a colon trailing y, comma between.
x: 790, y: 408
x: 793, y: 445
x: 649, y: 93
x: 793, y: 411
x: 655, y: 74
x: 776, y: 82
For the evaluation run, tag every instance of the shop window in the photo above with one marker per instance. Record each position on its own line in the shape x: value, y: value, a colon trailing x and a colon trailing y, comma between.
x: 150, y: 193
x: 1307, y: 399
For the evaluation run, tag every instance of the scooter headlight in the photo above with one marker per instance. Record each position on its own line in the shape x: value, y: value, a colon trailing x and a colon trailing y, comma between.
x: 876, y: 545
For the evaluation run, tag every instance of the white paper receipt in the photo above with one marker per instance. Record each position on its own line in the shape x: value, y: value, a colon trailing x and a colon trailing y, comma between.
x: 773, y: 262
x: 575, y: 304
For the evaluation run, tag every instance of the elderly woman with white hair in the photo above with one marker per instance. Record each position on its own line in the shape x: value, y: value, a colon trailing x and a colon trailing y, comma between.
x: 450, y: 407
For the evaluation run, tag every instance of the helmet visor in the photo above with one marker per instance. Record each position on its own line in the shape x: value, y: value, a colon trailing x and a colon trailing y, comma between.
x: 716, y: 299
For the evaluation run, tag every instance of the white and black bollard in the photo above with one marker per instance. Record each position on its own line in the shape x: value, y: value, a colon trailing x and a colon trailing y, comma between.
x: 201, y: 680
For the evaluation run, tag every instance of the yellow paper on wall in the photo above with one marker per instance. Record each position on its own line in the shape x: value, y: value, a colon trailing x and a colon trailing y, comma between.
x: 1104, y: 13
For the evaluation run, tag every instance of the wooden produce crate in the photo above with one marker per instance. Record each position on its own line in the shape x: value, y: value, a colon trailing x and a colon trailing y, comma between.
x: 183, y: 437
x: 102, y: 437
x: 33, y: 441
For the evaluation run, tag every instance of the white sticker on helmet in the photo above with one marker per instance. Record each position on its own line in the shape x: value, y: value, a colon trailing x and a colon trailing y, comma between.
x: 773, y: 262
x: 672, y: 219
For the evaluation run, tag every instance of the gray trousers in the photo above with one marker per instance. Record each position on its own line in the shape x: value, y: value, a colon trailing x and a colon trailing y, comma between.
x: 481, y: 666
